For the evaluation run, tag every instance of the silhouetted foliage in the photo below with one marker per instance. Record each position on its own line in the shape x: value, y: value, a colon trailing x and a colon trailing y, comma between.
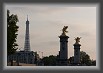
x: 49, y: 61
x: 71, y: 60
x: 84, y: 59
x: 12, y: 29
x: 93, y: 62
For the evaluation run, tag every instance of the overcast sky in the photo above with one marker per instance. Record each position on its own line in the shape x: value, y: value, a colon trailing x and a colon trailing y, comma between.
x: 47, y: 21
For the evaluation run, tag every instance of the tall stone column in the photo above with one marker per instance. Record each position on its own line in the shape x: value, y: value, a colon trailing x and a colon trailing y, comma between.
x: 63, y: 47
x: 77, y: 51
x: 63, y: 55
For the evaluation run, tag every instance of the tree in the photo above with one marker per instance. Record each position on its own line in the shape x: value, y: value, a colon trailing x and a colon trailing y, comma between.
x: 49, y: 61
x: 85, y: 58
x: 52, y: 60
x: 46, y: 61
x: 12, y: 29
x: 71, y: 60
x: 93, y: 62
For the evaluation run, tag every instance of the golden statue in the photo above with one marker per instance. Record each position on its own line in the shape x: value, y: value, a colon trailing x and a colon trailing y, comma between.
x: 77, y: 40
x: 64, y: 30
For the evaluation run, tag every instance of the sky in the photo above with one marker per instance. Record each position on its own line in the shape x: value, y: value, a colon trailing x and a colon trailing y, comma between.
x: 47, y: 21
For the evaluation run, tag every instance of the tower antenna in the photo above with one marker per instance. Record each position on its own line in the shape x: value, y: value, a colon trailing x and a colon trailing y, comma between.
x: 27, y: 17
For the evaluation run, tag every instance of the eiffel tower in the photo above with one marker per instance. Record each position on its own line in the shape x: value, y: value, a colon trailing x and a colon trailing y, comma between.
x: 27, y: 39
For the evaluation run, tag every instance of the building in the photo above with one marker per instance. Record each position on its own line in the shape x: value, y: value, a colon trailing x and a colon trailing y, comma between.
x: 28, y: 57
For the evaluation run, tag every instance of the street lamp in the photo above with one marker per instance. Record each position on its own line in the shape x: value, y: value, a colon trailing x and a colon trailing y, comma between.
x: 42, y: 54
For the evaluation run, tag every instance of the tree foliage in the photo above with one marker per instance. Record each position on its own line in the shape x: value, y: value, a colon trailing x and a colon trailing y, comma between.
x: 12, y: 29
x: 71, y: 59
x: 49, y: 61
x: 84, y: 59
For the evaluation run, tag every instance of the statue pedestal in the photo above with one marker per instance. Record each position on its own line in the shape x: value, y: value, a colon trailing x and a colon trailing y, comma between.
x: 76, y: 53
x: 63, y: 55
